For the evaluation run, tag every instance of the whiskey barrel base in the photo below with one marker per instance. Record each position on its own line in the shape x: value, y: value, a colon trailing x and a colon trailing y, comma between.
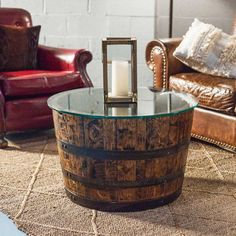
x: 123, y: 207
x: 123, y: 164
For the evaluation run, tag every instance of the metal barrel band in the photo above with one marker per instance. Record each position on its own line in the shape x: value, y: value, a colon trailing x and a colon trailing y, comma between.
x: 123, y: 206
x: 105, y: 184
x: 100, y: 154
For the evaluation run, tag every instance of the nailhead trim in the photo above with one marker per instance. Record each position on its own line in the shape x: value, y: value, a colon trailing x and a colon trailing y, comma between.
x: 164, y: 82
x: 209, y: 140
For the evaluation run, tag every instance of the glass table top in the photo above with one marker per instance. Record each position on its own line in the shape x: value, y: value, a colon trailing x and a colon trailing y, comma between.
x: 89, y: 102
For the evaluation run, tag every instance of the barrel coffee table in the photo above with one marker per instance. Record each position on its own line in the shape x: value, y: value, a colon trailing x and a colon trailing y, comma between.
x: 122, y: 158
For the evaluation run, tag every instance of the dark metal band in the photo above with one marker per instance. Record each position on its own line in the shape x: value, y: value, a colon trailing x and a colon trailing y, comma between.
x: 106, y: 184
x: 123, y: 206
x: 100, y: 154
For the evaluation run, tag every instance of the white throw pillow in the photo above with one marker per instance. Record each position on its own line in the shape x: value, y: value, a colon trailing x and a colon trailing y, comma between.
x: 207, y: 49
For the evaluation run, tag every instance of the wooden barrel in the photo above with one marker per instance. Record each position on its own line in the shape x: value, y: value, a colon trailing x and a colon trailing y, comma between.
x: 123, y: 164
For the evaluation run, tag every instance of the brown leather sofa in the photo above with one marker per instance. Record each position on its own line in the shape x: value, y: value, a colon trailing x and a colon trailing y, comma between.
x: 215, y: 118
x: 24, y: 94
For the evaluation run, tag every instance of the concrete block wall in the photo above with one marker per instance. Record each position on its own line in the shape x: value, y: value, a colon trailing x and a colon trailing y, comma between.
x: 83, y: 23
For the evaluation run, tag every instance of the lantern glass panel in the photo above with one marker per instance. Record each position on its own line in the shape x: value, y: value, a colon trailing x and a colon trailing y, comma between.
x: 121, y: 53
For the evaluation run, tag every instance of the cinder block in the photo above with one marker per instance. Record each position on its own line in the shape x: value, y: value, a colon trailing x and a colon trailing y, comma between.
x: 95, y: 46
x: 77, y: 42
x: 141, y: 48
x: 33, y: 6
x: 55, y: 41
x: 162, y: 27
x: 97, y: 7
x: 142, y: 27
x: 51, y: 24
x: 66, y: 7
x: 67, y: 42
x: 131, y: 8
x: 119, y: 26
x: 95, y: 72
x: 145, y: 76
x: 88, y: 26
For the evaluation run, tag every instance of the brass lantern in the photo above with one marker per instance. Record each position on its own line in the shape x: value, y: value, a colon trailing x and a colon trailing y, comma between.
x: 119, y: 73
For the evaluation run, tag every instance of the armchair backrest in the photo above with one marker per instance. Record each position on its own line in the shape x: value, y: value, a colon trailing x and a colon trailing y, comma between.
x: 15, y: 16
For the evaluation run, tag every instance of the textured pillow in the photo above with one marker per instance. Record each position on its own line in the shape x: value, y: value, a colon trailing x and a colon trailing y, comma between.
x: 18, y: 47
x: 207, y: 49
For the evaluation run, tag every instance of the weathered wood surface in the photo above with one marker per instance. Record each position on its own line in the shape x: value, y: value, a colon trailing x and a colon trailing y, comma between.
x: 147, y: 178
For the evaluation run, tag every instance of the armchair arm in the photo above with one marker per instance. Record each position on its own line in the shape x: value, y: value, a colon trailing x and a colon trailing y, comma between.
x: 160, y: 59
x: 60, y: 59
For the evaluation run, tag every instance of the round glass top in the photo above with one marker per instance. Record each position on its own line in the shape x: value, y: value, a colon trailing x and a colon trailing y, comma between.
x: 89, y: 102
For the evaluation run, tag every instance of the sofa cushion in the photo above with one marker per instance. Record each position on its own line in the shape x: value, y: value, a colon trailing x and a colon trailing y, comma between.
x: 213, y: 92
x: 18, y: 47
x: 38, y: 82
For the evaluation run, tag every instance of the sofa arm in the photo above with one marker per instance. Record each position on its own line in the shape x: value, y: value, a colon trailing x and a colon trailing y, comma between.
x: 160, y: 59
x: 60, y: 59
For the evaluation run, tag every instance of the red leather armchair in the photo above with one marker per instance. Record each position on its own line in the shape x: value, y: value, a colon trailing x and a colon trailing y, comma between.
x: 214, y: 119
x: 24, y: 94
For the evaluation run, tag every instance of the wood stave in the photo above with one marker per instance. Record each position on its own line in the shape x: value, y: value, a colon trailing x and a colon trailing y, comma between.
x: 123, y: 206
x: 72, y: 130
x: 125, y: 195
x: 87, y: 168
x: 101, y: 184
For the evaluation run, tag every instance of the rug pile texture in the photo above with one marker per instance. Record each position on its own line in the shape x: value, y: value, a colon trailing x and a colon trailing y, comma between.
x: 32, y: 194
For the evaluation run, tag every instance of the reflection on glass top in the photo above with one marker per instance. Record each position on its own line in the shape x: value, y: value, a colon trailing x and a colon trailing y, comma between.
x: 90, y: 102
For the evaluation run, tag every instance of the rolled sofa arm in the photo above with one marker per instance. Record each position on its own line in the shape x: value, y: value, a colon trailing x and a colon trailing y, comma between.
x: 61, y: 59
x: 160, y: 59
x: 81, y: 61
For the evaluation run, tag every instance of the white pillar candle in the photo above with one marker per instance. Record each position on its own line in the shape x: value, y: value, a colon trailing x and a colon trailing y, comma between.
x: 120, y: 78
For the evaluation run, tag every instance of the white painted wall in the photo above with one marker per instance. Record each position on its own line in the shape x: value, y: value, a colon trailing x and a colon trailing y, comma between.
x: 83, y: 23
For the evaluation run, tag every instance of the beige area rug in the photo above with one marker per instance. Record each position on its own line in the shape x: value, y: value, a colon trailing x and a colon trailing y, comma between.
x: 32, y: 194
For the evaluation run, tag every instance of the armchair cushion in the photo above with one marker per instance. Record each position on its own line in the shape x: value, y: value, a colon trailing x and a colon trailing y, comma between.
x: 18, y: 47
x: 213, y: 92
x: 38, y: 82
x: 207, y: 49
